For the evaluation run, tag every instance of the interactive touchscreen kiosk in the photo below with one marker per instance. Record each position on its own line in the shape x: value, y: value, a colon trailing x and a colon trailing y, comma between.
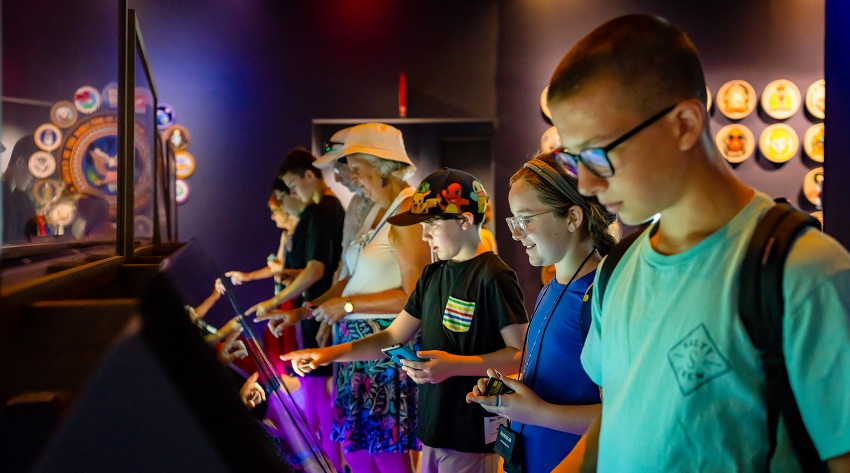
x: 161, y: 400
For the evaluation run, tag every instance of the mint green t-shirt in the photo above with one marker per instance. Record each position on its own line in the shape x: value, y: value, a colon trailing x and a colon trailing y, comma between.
x: 682, y: 384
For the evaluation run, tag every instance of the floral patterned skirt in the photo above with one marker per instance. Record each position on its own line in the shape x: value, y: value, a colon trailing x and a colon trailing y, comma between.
x: 375, y: 407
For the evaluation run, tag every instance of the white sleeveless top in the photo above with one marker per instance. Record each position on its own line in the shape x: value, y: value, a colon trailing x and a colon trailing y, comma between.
x: 372, y: 258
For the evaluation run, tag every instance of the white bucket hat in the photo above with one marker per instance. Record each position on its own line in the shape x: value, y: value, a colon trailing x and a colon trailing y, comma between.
x: 332, y: 149
x: 377, y: 139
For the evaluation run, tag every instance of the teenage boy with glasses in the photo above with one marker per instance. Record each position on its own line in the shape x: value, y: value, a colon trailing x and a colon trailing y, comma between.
x: 682, y: 384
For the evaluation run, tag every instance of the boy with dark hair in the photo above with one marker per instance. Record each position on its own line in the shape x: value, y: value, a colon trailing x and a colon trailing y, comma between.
x: 470, y: 311
x: 316, y: 250
x: 317, y: 238
x: 683, y: 385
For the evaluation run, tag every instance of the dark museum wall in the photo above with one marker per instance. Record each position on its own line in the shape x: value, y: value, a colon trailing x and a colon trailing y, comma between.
x: 247, y: 77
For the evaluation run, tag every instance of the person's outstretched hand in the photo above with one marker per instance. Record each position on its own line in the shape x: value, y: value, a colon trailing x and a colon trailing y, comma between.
x: 237, y: 277
x: 305, y: 361
x: 279, y: 320
x: 252, y: 393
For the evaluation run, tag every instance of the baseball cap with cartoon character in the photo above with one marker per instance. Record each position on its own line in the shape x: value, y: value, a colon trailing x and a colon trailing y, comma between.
x: 447, y: 191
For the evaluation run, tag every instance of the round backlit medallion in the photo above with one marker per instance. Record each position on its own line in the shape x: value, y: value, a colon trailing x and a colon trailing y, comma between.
x: 90, y: 161
x: 779, y: 143
x: 736, y: 142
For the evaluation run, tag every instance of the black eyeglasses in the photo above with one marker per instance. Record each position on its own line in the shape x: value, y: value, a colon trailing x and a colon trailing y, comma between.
x: 596, y: 159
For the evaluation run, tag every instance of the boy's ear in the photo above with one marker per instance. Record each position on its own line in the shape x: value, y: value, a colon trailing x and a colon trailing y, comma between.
x: 690, y: 121
x: 467, y: 221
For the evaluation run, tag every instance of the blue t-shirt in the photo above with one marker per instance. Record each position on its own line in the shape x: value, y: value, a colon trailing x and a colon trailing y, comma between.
x: 683, y: 386
x: 552, y: 368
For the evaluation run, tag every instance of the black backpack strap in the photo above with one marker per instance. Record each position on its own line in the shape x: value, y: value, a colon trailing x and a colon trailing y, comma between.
x: 761, y: 275
x: 611, y: 259
x: 615, y: 254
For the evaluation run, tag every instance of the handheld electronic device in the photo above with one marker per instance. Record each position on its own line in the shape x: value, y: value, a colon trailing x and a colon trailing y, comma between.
x: 496, y: 386
x: 400, y: 352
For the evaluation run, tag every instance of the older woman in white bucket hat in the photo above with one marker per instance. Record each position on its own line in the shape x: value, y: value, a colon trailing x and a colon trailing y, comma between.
x: 375, y: 407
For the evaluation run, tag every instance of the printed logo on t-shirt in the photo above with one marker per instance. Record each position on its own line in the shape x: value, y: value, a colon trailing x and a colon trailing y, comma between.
x: 696, y: 360
x: 457, y: 316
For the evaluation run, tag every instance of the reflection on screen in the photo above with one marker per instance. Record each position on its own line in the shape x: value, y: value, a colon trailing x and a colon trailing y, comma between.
x: 193, y: 275
x: 144, y: 144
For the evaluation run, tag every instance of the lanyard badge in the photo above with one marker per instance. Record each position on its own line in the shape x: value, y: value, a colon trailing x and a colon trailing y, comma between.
x: 508, y: 446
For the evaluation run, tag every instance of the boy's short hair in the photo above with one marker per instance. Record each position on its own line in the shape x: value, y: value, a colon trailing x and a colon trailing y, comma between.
x: 298, y: 161
x: 477, y: 219
x: 279, y: 187
x: 649, y: 57
x: 445, y: 194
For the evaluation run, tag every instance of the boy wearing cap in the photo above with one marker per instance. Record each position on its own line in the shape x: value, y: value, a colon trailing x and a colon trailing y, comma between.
x: 470, y: 310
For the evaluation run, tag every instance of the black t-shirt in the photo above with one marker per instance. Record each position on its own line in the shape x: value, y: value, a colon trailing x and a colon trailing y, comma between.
x: 462, y: 306
x: 318, y: 237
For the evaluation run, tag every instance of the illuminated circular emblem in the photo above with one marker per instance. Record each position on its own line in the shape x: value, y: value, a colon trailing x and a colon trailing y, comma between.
x: 816, y: 99
x: 813, y: 142
x: 142, y: 226
x: 63, y: 114
x: 110, y: 95
x: 708, y: 98
x: 544, y: 105
x: 813, y: 186
x: 736, y: 142
x: 87, y: 99
x: 178, y: 136
x: 736, y: 99
x: 184, y: 164
x: 164, y: 116
x: 90, y: 161
x: 62, y: 213
x: 48, y: 137
x: 181, y: 191
x: 142, y: 100
x: 779, y: 143
x: 42, y: 164
x: 46, y: 191
x: 780, y: 99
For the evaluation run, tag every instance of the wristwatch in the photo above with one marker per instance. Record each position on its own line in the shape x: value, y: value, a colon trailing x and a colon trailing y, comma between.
x: 348, y: 307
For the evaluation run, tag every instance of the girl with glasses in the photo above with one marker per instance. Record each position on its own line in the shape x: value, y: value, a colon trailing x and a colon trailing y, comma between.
x: 554, y: 401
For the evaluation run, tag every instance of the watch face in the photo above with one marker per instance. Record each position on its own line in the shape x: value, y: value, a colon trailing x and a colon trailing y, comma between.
x: 348, y: 307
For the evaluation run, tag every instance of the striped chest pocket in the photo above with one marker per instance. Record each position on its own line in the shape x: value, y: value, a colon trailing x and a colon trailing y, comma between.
x: 457, y: 315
